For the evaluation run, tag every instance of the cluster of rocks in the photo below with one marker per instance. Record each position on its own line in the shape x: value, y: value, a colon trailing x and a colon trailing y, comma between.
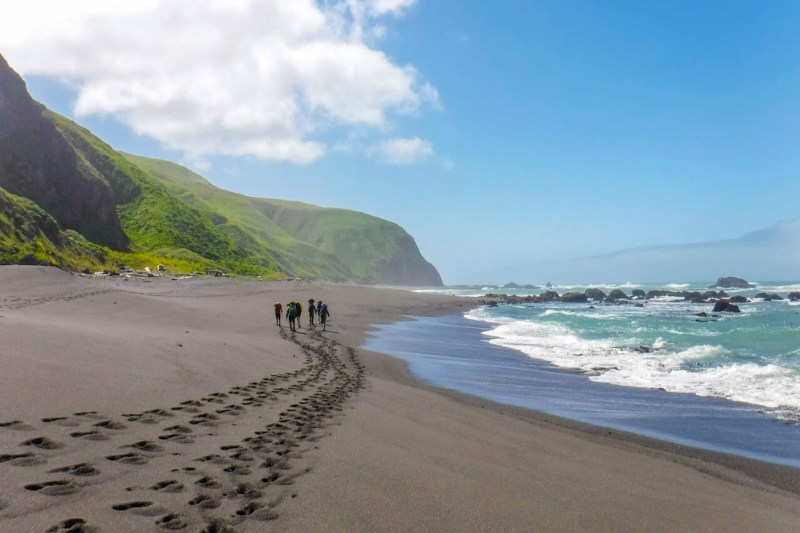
x: 723, y: 302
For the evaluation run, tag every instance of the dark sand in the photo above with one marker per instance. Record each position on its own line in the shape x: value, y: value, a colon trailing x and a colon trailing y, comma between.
x: 152, y: 405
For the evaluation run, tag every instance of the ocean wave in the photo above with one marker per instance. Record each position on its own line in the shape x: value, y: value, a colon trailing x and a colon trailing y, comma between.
x: 593, y: 316
x: 792, y: 287
x: 677, y: 286
x: 704, y: 370
x: 694, y: 333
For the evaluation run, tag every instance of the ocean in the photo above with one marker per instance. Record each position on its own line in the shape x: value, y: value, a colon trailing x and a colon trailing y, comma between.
x: 727, y: 381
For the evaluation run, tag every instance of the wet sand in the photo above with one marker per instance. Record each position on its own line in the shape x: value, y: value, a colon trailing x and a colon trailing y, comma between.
x: 160, y: 404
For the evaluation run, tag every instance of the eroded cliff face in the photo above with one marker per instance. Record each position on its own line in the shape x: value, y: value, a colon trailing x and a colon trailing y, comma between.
x: 38, y: 163
x: 408, y: 267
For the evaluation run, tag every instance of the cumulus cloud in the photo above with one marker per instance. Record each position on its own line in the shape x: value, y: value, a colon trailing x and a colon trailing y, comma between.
x: 264, y: 78
x: 403, y: 151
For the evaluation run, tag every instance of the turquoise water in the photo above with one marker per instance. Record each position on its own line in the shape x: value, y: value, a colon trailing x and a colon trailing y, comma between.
x: 729, y: 383
x: 752, y: 356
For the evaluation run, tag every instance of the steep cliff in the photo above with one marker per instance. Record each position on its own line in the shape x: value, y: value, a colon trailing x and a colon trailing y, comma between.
x: 71, y: 200
x: 37, y: 162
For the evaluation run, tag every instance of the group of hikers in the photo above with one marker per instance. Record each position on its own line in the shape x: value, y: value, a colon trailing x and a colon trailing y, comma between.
x: 294, y: 313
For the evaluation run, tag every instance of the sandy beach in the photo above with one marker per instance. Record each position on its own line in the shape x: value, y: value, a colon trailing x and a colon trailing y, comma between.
x: 177, y: 404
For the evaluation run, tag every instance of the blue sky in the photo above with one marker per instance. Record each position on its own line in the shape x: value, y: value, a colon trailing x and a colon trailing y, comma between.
x: 499, y: 135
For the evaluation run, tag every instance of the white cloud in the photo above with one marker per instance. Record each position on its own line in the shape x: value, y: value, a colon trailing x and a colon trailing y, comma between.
x: 264, y: 78
x: 403, y: 151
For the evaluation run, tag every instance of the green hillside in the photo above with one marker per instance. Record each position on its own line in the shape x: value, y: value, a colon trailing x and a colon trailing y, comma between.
x: 71, y: 200
x: 30, y: 236
x: 358, y: 246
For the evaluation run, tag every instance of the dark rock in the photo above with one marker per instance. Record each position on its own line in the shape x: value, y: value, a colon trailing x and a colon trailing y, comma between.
x: 737, y: 299
x: 768, y: 296
x: 616, y: 294
x: 638, y: 293
x: 725, y: 306
x: 793, y: 296
x: 548, y: 296
x: 573, y: 297
x: 731, y: 282
x: 701, y: 313
x: 595, y: 294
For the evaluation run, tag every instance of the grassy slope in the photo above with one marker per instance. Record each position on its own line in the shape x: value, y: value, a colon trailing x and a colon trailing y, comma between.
x: 300, y: 232
x: 243, y: 216
x: 162, y: 228
x: 362, y: 241
x: 30, y: 236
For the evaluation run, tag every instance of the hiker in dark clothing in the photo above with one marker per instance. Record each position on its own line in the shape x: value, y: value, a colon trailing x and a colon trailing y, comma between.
x: 278, y: 311
x: 291, y: 314
x: 319, y: 307
x: 298, y: 313
x: 311, y: 312
x: 323, y: 316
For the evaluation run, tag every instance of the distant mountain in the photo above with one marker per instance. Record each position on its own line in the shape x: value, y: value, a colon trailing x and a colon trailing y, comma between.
x: 98, y: 207
x: 767, y: 254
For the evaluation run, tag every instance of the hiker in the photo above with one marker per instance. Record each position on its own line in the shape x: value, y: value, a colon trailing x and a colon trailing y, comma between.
x: 319, y: 307
x: 291, y: 314
x: 311, y: 312
x: 323, y: 316
x: 278, y: 311
x: 298, y: 311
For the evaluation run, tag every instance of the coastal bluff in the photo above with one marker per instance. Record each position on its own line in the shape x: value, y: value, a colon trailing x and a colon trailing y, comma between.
x: 88, y: 207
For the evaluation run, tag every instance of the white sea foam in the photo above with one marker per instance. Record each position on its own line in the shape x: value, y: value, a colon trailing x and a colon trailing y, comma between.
x: 779, y: 288
x: 668, y: 299
x: 676, y: 286
x: 697, y: 370
x: 594, y: 316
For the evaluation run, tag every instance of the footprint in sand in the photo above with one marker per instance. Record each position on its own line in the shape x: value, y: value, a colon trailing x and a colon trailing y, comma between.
x: 145, y: 446
x: 43, y: 443
x: 81, y: 469
x: 128, y: 458
x: 88, y: 414
x: 177, y: 437
x: 19, y: 425
x: 170, y: 485
x: 142, y: 508
x: 238, y: 470
x: 172, y: 522
x: 257, y: 511
x: 208, y: 482
x: 110, y: 424
x: 89, y: 435
x: 179, y: 429
x: 58, y: 487
x: 22, y: 459
x: 61, y: 421
x: 248, y: 491
x: 205, y: 501
x: 73, y: 525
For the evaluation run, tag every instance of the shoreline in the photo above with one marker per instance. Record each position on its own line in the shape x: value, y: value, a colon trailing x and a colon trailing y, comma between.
x: 395, y: 454
x: 781, y: 476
